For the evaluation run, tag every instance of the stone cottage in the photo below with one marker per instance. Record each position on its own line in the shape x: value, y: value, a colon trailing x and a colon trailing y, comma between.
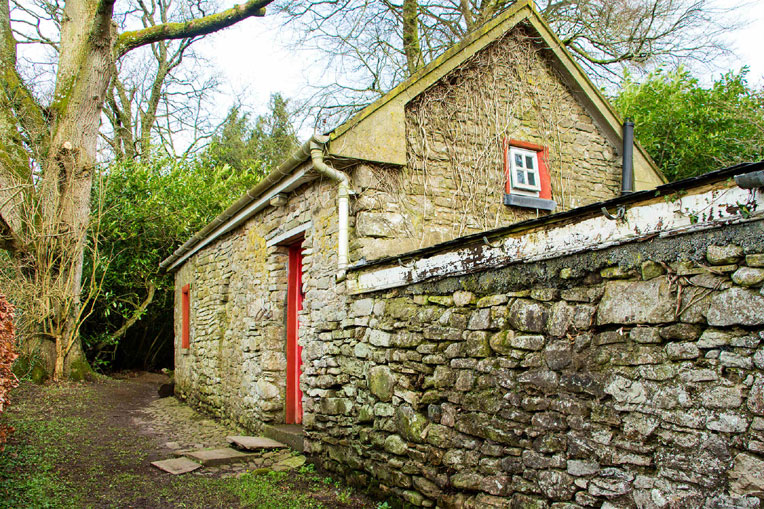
x: 454, y: 298
x: 385, y: 288
x: 501, y: 128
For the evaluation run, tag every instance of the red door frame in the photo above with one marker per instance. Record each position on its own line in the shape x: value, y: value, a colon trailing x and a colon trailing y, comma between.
x: 293, y: 349
x: 185, y: 307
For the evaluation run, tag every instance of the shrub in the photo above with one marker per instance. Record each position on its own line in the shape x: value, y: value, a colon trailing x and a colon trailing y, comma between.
x: 7, y: 355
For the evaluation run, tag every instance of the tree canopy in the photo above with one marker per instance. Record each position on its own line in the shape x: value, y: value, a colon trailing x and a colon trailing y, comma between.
x: 689, y: 129
x: 254, y: 146
x: 150, y: 206
x: 48, y: 158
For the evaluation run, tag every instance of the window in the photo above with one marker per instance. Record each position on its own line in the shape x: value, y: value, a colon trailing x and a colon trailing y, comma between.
x: 185, y: 306
x: 524, y: 169
x: 528, y: 181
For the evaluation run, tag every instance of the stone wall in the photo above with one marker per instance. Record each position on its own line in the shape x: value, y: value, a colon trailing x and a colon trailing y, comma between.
x: 625, y: 377
x: 454, y: 181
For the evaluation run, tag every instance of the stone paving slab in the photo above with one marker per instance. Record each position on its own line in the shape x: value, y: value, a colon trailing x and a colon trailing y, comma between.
x: 177, y: 466
x: 213, y: 457
x: 254, y: 443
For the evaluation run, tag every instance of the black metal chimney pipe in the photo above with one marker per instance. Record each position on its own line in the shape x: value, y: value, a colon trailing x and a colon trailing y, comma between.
x: 627, y: 179
x: 750, y: 180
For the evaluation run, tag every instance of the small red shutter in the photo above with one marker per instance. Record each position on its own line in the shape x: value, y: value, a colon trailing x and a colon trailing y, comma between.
x: 505, y: 147
x: 186, y: 318
x: 545, y: 180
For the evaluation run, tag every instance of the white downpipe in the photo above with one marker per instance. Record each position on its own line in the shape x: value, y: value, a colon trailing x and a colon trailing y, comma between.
x: 342, y: 249
x: 317, y: 144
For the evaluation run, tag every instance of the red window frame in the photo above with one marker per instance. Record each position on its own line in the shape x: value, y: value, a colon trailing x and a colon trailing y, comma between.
x: 542, y: 157
x: 186, y: 316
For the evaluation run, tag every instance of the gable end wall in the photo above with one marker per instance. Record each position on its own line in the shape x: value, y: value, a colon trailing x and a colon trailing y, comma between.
x: 453, y: 184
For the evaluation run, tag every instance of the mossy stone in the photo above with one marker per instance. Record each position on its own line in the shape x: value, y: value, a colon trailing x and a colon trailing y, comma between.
x: 81, y: 371
x: 501, y: 342
x: 615, y: 272
x: 395, y: 445
x: 651, y: 270
x: 365, y: 414
x: 441, y: 300
x: 723, y: 255
x: 401, y: 309
x: 381, y: 382
x: 411, y: 425
x: 748, y: 276
x: 30, y: 368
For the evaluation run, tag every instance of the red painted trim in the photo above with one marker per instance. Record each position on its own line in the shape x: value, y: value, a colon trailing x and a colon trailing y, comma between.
x: 293, y: 349
x: 185, y: 306
x: 545, y: 179
x: 526, y: 145
x: 507, y: 176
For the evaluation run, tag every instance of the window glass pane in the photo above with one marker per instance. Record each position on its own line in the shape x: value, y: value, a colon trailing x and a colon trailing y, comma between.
x: 528, y: 162
x: 520, y: 177
x: 531, y: 178
x: 519, y: 160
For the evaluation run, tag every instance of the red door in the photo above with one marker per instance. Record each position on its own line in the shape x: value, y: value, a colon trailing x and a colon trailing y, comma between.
x: 293, y: 350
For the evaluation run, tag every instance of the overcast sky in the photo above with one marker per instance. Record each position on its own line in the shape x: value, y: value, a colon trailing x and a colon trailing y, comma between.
x: 748, y: 43
x: 255, y: 61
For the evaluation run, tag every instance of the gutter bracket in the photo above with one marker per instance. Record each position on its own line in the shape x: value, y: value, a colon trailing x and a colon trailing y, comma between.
x: 619, y: 215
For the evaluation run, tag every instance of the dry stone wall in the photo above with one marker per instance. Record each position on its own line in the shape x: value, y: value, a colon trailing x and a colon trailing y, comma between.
x: 622, y: 378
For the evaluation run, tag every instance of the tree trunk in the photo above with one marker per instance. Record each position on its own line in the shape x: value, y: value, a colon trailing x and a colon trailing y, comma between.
x: 411, y: 35
x: 83, y: 76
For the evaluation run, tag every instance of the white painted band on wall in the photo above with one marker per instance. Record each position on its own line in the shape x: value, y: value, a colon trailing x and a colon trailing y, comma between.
x: 671, y: 216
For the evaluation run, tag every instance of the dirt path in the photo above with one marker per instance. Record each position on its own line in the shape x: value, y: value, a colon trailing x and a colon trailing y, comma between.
x: 91, y: 445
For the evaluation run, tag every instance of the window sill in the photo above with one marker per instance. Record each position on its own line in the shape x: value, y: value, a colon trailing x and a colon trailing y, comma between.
x: 516, y: 200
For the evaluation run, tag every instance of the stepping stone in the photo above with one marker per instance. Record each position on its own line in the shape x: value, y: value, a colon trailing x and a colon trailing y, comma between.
x: 289, y: 463
x: 252, y: 443
x: 290, y: 434
x: 214, y: 457
x: 177, y: 466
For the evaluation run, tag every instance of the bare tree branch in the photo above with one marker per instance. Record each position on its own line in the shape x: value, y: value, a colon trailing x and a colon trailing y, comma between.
x: 208, y: 24
x: 374, y: 42
x: 134, y: 317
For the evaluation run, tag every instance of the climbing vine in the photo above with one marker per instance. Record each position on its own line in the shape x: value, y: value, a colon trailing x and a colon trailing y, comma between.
x: 455, y: 131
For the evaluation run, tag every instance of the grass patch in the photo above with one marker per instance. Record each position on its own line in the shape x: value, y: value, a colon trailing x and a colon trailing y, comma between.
x: 272, y: 490
x: 28, y: 469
